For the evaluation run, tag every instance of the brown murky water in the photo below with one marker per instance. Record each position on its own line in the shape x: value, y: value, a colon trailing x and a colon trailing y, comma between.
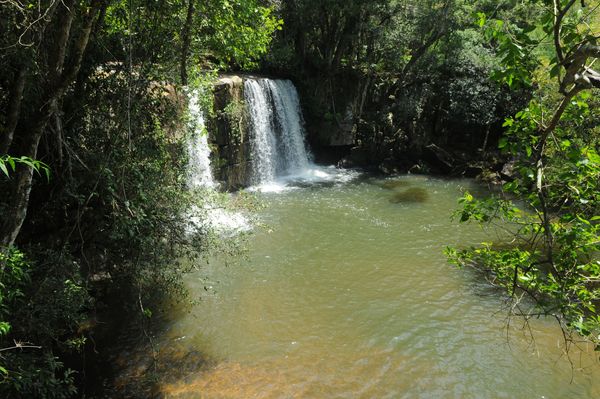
x: 346, y: 294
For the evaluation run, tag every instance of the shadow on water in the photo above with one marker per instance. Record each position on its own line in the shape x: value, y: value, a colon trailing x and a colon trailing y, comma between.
x: 410, y: 195
x: 133, y: 362
x: 147, y: 369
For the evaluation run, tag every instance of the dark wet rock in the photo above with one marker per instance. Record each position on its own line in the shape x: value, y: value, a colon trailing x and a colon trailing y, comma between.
x: 389, y: 166
x: 411, y: 195
x: 344, y: 163
x: 473, y: 171
x: 231, y: 153
x: 313, y: 185
x: 358, y: 156
x: 385, y: 169
x: 416, y: 169
x: 439, y: 159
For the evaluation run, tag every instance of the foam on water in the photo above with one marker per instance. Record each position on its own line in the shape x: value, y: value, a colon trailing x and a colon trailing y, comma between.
x: 312, y: 175
x: 222, y: 221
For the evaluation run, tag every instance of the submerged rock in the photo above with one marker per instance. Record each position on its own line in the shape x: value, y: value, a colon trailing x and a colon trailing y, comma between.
x: 394, y: 184
x: 411, y: 195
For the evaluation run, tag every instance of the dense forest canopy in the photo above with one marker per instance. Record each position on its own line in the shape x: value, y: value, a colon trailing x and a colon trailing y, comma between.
x: 415, y: 72
x: 92, y: 155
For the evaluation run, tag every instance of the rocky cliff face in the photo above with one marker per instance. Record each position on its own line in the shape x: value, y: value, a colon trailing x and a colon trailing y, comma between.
x: 228, y: 134
x: 332, y: 108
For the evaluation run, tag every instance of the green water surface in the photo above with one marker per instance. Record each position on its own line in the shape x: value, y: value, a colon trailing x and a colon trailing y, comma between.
x: 346, y: 293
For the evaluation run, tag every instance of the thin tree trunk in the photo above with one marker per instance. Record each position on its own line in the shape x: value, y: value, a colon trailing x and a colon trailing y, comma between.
x: 485, y: 140
x: 363, y: 97
x: 539, y: 186
x: 14, y: 111
x: 186, y: 36
x: 58, y: 131
x: 60, y: 41
x: 19, y: 200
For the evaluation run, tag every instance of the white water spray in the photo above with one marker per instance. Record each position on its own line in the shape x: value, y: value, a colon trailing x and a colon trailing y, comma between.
x: 199, y: 172
x: 277, y: 132
x: 211, y: 214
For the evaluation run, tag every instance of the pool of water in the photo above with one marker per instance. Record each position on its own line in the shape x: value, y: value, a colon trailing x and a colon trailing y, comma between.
x: 346, y: 293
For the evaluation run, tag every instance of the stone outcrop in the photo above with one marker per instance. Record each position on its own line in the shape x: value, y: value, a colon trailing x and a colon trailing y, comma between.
x: 228, y: 134
x: 332, y: 107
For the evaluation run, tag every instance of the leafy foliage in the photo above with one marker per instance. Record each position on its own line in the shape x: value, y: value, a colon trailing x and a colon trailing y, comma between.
x: 241, y: 30
x: 91, y: 92
x: 8, y: 163
x: 553, y: 200
x: 397, y: 75
x: 29, y: 327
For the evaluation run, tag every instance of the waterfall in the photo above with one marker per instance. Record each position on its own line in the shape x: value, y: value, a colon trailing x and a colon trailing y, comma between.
x: 209, y: 215
x: 200, y: 174
x: 289, y: 117
x: 276, y: 126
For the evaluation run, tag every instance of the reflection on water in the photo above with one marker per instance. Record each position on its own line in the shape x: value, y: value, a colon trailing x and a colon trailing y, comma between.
x: 347, y: 295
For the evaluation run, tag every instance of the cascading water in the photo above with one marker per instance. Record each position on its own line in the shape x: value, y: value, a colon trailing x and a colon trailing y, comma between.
x: 210, y: 215
x: 278, y: 147
x: 199, y: 171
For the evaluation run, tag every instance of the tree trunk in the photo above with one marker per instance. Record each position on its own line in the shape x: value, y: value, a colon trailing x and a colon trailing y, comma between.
x: 13, y: 111
x: 485, y: 140
x: 186, y: 37
x: 18, y: 201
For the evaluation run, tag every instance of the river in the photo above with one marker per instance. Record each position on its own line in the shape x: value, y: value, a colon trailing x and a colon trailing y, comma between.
x: 346, y: 293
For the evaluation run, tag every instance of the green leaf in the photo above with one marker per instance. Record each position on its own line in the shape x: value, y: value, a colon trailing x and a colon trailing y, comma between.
x: 47, y: 173
x: 4, y: 327
x: 482, y: 18
x: 3, y: 167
